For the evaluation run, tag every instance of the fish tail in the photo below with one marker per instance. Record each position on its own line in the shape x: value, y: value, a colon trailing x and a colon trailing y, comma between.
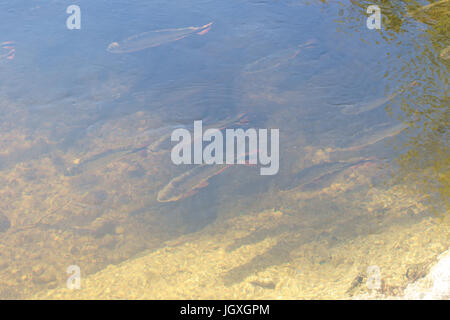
x: 205, y: 28
x: 205, y: 31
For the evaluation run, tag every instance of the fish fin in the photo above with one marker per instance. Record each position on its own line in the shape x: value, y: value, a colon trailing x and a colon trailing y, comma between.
x: 205, y: 31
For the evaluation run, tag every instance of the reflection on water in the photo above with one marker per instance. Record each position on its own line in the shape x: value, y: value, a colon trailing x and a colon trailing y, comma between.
x: 86, y: 174
x: 424, y: 160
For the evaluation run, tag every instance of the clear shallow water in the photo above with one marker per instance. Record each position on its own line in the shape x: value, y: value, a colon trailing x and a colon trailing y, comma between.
x: 66, y: 102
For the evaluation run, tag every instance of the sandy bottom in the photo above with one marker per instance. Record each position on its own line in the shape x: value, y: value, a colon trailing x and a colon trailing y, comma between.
x: 403, y: 261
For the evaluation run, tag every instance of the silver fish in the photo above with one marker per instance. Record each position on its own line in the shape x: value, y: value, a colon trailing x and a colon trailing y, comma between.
x: 155, y: 38
x: 357, y: 108
x: 189, y: 183
x: 309, y: 178
x: 276, y: 59
x: 387, y: 131
x: 98, y: 161
x: 354, y: 109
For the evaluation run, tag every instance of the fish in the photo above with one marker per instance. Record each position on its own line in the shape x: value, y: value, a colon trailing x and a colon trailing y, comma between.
x: 277, y: 59
x: 155, y: 38
x: 190, y: 182
x: 358, y: 108
x: 99, y: 160
x: 362, y: 146
x: 387, y: 131
x: 310, y: 177
x: 164, y: 142
x: 144, y: 141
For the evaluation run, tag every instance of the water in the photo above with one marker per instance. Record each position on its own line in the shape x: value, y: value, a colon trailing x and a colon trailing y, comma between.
x: 85, y: 153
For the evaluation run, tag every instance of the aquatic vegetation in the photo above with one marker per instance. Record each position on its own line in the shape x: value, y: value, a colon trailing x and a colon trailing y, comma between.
x: 155, y: 38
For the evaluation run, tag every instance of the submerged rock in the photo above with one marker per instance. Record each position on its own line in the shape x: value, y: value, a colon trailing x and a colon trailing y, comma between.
x: 435, y: 285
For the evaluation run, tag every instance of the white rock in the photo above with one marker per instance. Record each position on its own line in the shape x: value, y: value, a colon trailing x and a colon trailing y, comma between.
x: 436, y: 285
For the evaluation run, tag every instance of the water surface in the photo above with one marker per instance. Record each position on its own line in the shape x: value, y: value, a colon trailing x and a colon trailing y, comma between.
x: 85, y: 169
